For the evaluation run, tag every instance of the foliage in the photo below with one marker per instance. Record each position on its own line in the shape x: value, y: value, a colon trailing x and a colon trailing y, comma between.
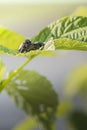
x: 71, y: 27
x: 30, y: 94
x: 28, y: 88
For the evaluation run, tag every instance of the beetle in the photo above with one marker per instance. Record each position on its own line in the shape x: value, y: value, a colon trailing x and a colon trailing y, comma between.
x: 27, y: 46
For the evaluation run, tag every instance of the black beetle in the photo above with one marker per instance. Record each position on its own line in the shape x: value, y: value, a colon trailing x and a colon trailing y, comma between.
x: 27, y: 46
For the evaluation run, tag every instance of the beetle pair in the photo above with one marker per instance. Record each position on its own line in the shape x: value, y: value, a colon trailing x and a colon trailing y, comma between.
x: 27, y: 46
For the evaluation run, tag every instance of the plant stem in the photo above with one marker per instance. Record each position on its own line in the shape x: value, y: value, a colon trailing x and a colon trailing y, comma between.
x: 11, y: 75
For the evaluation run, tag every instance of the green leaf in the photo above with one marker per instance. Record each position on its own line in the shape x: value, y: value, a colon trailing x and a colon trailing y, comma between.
x: 43, y: 36
x: 34, y: 94
x: 71, y: 27
x: 9, y: 41
x: 33, y: 54
x: 32, y: 86
x: 61, y: 27
x: 82, y: 38
x: 5, y: 50
x: 67, y: 33
x: 2, y: 69
x: 69, y: 44
x: 76, y: 34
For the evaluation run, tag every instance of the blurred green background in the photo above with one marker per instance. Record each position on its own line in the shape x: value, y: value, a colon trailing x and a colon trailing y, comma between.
x: 28, y: 18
